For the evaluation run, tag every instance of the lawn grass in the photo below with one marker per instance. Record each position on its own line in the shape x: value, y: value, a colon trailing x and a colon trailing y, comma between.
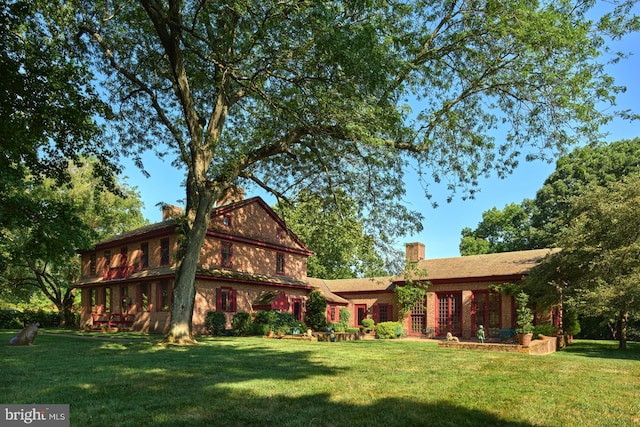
x: 133, y: 381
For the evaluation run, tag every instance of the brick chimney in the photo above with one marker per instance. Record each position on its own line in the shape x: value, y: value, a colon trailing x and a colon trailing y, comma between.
x: 232, y: 195
x: 171, y: 211
x: 415, y: 251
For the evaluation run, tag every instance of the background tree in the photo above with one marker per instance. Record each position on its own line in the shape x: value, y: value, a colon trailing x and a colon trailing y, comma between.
x: 503, y: 230
x: 313, y: 95
x: 535, y: 224
x: 598, y: 270
x: 330, y: 226
x: 42, y: 257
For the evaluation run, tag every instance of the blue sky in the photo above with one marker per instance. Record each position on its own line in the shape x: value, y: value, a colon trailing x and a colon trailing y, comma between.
x: 442, y: 225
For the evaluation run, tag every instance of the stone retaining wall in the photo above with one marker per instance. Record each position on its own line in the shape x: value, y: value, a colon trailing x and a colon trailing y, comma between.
x: 544, y: 345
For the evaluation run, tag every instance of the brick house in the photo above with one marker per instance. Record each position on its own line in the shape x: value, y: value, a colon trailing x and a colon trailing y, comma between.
x: 251, y: 261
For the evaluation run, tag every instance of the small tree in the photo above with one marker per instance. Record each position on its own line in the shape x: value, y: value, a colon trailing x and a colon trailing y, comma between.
x: 316, y: 317
x: 524, y: 317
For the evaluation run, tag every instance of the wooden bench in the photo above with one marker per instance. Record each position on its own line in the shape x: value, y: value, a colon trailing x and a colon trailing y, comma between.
x: 112, y: 320
x: 507, y: 335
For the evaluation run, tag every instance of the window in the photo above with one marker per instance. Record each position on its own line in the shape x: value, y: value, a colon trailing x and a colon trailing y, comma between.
x: 107, y: 300
x: 164, y: 251
x: 125, y: 301
x: 226, y: 255
x: 226, y: 221
x: 164, y: 295
x: 225, y: 299
x: 143, y: 297
x: 332, y: 313
x: 280, y: 263
x: 92, y: 300
x: 124, y: 256
x: 382, y: 313
x: 107, y: 259
x: 144, y: 255
x: 418, y: 318
x: 92, y: 264
x: 280, y: 233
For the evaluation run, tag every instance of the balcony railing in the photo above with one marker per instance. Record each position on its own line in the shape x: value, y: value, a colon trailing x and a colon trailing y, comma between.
x: 121, y: 272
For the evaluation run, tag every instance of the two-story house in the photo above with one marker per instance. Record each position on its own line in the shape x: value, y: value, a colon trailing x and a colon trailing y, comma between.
x: 249, y: 260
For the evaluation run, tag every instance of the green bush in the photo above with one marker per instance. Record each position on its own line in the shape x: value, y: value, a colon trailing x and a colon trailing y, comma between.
x: 345, y: 315
x: 10, y: 319
x: 47, y: 319
x: 279, y: 322
x: 316, y: 316
x: 352, y: 330
x: 259, y: 329
x: 241, y: 323
x: 337, y: 327
x: 546, y: 330
x: 215, y: 323
x: 388, y: 330
x: 368, y: 324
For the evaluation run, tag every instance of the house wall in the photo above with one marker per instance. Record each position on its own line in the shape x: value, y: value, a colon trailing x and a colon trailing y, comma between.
x: 246, y: 294
x: 369, y: 300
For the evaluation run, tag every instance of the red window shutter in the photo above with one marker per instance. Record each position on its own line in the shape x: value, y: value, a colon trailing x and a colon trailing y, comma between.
x: 376, y: 313
x: 232, y: 297
x: 218, y: 299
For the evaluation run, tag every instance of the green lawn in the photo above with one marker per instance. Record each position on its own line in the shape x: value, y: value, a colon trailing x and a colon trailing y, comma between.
x: 263, y: 382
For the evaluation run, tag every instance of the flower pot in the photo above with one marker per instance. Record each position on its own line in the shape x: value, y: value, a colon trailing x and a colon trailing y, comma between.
x: 525, y: 339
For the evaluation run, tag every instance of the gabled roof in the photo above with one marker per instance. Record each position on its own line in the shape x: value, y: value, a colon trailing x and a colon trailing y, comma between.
x: 225, y: 209
x: 505, y: 266
x: 153, y: 230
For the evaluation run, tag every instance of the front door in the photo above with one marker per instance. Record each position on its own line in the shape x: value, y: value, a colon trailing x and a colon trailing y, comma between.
x: 361, y: 313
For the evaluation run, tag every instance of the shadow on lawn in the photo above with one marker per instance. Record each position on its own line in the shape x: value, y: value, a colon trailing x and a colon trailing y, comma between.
x: 605, y: 349
x: 219, y: 383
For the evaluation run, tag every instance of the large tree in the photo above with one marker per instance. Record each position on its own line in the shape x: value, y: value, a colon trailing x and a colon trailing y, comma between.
x: 535, y: 224
x: 313, y: 94
x: 330, y: 226
x: 41, y: 256
x: 598, y: 270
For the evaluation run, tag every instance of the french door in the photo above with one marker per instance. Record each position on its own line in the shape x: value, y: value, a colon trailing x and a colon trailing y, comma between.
x: 449, y: 306
x: 486, y: 312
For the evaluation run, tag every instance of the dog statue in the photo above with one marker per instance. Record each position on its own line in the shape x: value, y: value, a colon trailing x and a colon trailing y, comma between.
x: 450, y: 337
x: 26, y: 336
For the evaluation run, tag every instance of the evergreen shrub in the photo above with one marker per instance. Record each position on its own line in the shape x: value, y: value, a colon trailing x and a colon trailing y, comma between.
x: 215, y: 323
x: 388, y: 330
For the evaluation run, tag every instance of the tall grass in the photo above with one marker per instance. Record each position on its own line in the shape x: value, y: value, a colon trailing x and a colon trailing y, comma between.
x: 263, y: 382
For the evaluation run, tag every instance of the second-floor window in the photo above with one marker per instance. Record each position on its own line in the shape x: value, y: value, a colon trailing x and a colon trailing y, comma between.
x: 92, y: 264
x: 164, y: 251
x: 124, y: 256
x: 144, y: 255
x: 280, y: 263
x: 226, y: 255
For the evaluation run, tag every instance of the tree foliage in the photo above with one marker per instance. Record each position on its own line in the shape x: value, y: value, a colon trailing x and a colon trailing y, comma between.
x: 41, y: 256
x: 331, y: 227
x: 598, y: 270
x: 503, y: 230
x: 316, y: 312
x: 313, y: 95
x: 535, y: 224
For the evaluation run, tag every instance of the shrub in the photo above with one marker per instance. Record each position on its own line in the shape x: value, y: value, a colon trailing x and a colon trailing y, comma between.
x: 241, y: 323
x: 47, y: 319
x: 387, y: 330
x: 279, y: 322
x: 368, y: 324
x: 259, y: 329
x: 316, y: 316
x: 215, y: 323
x: 10, y: 319
x: 546, y: 330
x: 337, y: 327
x: 345, y: 315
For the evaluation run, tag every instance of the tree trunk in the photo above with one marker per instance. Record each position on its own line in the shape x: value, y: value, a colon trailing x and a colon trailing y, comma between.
x: 180, y: 329
x: 622, y: 329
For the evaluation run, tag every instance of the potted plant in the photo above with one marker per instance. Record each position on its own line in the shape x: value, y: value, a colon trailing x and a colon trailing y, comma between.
x: 87, y: 327
x: 524, y: 319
